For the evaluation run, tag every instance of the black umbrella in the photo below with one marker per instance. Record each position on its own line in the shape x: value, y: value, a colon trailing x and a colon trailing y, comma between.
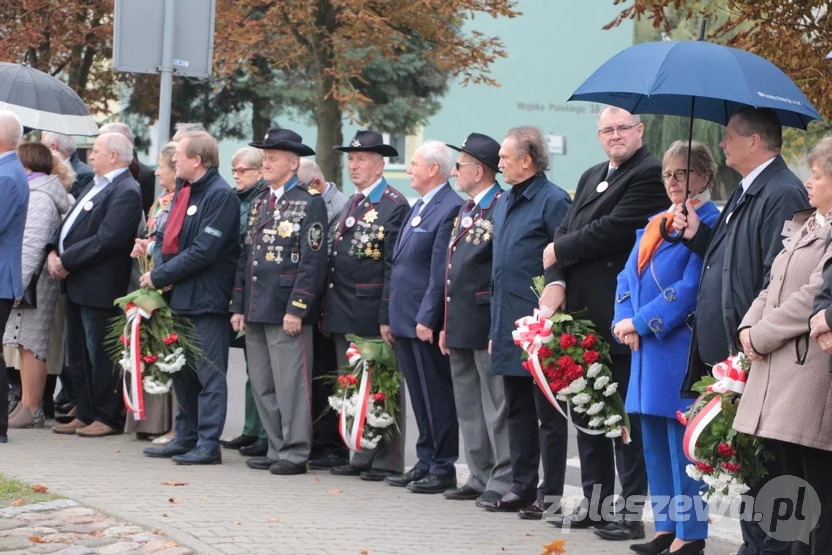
x: 43, y: 102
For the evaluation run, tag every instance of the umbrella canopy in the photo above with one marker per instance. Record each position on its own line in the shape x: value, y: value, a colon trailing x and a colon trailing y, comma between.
x: 663, y: 78
x: 43, y: 102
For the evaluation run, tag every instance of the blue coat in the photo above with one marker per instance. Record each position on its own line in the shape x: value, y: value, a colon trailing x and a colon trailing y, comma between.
x: 661, y: 302
x: 14, y: 189
x: 417, y: 281
x: 522, y: 228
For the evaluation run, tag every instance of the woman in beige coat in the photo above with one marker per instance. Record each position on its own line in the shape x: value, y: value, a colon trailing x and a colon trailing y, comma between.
x: 788, y: 397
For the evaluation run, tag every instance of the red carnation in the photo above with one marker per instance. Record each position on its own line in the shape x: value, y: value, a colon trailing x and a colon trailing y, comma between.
x: 591, y: 357
x: 731, y: 467
x: 575, y: 372
x: 565, y: 362
x: 342, y: 381
x: 351, y: 379
x: 568, y: 340
x: 704, y: 467
x: 149, y: 359
x: 379, y: 397
x: 589, y: 341
x: 557, y: 385
x: 725, y: 450
x: 545, y: 352
x: 171, y: 339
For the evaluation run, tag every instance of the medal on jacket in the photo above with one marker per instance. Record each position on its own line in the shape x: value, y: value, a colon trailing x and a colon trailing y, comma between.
x: 192, y: 210
x: 467, y: 222
x: 416, y: 221
x: 295, y: 255
x: 603, y: 186
x: 88, y: 206
x: 350, y: 222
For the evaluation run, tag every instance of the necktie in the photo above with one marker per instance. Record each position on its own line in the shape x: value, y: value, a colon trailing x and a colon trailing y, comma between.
x: 467, y: 208
x: 417, y: 207
x: 610, y: 172
x: 356, y: 200
x: 735, y: 199
x: 272, y: 198
x: 170, y: 243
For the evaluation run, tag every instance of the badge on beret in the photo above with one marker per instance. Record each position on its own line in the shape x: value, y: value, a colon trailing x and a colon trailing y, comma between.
x: 467, y: 221
x: 88, y: 206
x: 603, y: 186
x: 350, y: 222
x: 416, y: 221
x: 192, y: 210
x: 316, y: 235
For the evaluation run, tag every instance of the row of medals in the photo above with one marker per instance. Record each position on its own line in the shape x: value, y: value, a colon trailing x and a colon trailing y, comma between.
x: 482, y: 230
x: 284, y: 229
x: 368, y: 236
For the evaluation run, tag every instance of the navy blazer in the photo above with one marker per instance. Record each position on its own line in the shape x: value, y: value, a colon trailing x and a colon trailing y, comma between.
x: 14, y: 188
x: 417, y: 282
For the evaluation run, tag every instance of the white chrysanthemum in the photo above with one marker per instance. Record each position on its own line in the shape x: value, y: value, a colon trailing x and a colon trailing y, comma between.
x: 153, y: 387
x: 612, y: 420
x: 613, y: 433
x: 693, y: 472
x: 737, y: 488
x: 581, y: 399
x: 577, y: 386
x: 596, y: 408
x: 171, y: 365
x: 382, y: 420
x: 602, y: 382
x: 597, y: 421
x: 561, y: 395
x: 611, y: 389
x: 336, y: 402
x: 580, y: 409
x: 370, y: 442
x: 594, y: 370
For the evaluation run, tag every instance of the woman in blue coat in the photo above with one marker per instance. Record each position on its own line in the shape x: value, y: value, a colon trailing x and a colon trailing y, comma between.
x: 655, y: 301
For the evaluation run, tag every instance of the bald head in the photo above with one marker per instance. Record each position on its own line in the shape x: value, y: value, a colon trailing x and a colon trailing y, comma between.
x: 110, y: 152
x: 11, y: 131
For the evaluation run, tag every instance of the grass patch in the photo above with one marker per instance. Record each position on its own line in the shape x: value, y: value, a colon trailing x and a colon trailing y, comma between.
x: 14, y: 493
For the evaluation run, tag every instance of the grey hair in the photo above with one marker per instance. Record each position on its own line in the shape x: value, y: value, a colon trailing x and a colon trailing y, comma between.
x: 166, y: 154
x: 530, y: 141
x: 615, y: 109
x: 185, y: 127
x: 250, y: 156
x: 439, y: 153
x: 309, y: 171
x: 821, y: 156
x: 118, y: 143
x: 119, y: 128
x: 65, y: 143
x: 701, y: 159
x: 11, y: 130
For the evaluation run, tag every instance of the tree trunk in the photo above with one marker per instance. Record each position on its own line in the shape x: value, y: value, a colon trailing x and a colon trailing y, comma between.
x: 262, y: 107
x: 328, y: 118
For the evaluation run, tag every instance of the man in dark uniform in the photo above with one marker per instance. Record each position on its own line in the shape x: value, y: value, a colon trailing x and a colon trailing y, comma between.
x: 357, y: 295
x: 198, y: 257
x: 280, y: 278
x: 479, y: 395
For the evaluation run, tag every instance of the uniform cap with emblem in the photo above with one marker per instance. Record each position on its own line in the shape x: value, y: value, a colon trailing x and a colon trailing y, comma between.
x: 483, y: 148
x: 368, y: 141
x: 284, y: 139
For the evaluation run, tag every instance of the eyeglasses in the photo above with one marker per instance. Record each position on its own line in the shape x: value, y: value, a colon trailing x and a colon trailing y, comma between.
x: 241, y: 171
x: 678, y: 175
x: 459, y: 164
x: 622, y: 129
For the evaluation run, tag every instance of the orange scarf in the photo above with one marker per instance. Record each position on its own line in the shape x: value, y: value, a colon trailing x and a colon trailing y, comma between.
x: 652, y: 238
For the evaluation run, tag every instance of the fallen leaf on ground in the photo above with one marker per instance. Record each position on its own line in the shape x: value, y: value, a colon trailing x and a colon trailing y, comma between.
x: 97, y: 534
x: 175, y: 483
x: 18, y: 502
x: 364, y: 552
x: 117, y: 451
x: 317, y: 479
x: 172, y: 543
x: 557, y: 547
x: 40, y: 488
x: 158, y: 532
x: 334, y: 491
x: 165, y: 514
x: 174, y: 501
x: 273, y: 520
x: 529, y: 534
x: 236, y: 522
x: 35, y: 539
x: 62, y: 438
x: 203, y: 499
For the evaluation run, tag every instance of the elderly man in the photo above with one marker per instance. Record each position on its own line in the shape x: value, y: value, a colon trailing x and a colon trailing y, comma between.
x: 357, y: 295
x: 200, y: 248
x: 145, y: 176
x: 417, y: 308
x: 91, y: 254
x: 280, y: 279
x: 738, y: 252
x: 65, y: 146
x: 525, y: 219
x: 14, y: 188
x: 480, y: 396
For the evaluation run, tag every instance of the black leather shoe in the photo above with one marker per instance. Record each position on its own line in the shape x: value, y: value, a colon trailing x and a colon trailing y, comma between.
x: 348, y: 470
x: 257, y: 449
x: 4, y: 438
x: 376, y: 475
x: 696, y: 547
x: 465, y: 493
x: 621, y: 529
x: 535, y: 510
x: 577, y: 519
x: 260, y: 463
x: 64, y: 408
x: 167, y: 451
x: 433, y: 483
x: 412, y: 475
x: 239, y: 441
x: 654, y: 546
x: 326, y: 462
x: 199, y: 455
x: 286, y: 468
x: 509, y: 503
x: 489, y: 496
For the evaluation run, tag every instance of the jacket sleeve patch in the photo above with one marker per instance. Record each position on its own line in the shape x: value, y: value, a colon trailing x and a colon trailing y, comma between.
x: 211, y: 231
x: 316, y: 236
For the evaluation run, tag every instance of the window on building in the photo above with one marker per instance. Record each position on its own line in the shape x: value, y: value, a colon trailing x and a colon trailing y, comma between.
x: 399, y: 142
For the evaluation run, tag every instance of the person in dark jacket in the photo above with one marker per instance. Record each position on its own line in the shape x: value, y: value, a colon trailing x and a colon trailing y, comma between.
x: 738, y: 252
x: 195, y: 258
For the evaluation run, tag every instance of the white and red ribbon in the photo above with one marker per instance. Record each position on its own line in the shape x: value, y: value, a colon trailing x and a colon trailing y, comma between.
x: 352, y: 438
x: 134, y: 399
x: 731, y: 377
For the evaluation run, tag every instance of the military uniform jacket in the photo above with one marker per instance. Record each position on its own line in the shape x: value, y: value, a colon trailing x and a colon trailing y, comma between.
x: 468, y: 276
x: 283, y: 265
x: 358, y: 292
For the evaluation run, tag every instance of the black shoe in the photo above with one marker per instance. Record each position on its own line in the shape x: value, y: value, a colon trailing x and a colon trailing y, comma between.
x: 64, y: 418
x: 259, y: 448
x: 535, y: 510
x: 654, y: 546
x: 199, y: 455
x: 578, y: 519
x: 4, y: 438
x: 465, y: 493
x: 489, y: 496
x: 63, y: 408
x: 696, y: 547
x: 509, y: 503
x: 167, y: 451
x: 326, y: 462
x: 433, y: 483
x: 621, y: 529
x: 412, y: 475
x: 348, y: 470
x: 286, y: 468
x: 239, y: 441
x: 376, y: 475
x: 260, y: 463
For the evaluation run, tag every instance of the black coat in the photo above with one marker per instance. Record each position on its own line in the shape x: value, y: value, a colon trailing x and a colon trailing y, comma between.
x: 83, y: 174
x: 97, y: 247
x: 146, y: 178
x: 823, y: 300
x: 595, y: 239
x: 752, y: 241
x: 282, y: 268
x: 202, y: 273
x: 468, y: 277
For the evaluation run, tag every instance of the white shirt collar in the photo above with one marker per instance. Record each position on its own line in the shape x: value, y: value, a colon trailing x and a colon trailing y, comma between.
x: 820, y: 218
x: 749, y: 179
x: 481, y: 194
x: 110, y: 177
x: 429, y: 196
x: 368, y: 191
x: 278, y: 192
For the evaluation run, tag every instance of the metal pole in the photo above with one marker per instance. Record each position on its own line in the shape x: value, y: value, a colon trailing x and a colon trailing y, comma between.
x: 166, y: 89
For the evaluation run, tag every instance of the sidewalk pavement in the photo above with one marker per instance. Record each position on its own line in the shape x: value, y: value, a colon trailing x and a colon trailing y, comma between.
x: 230, y: 509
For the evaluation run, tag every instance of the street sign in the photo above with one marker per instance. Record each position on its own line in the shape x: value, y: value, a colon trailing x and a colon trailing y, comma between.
x: 138, y: 36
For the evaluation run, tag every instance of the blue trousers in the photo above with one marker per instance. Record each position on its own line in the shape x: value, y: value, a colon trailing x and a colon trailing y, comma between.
x: 202, y: 394
x: 666, y: 462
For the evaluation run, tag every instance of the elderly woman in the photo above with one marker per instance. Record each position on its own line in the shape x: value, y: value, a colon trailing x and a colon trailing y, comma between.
x: 656, y: 297
x: 29, y: 328
x: 789, y: 389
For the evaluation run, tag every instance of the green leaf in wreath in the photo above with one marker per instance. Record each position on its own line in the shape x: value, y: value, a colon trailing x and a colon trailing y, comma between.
x: 560, y: 317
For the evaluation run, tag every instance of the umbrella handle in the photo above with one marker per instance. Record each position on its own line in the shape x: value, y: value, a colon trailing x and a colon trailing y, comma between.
x: 667, y: 236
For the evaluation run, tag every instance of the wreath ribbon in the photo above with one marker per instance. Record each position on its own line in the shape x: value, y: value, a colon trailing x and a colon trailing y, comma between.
x: 352, y: 438
x: 134, y: 399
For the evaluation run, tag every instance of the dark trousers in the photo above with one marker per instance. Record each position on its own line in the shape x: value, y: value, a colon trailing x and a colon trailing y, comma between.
x: 96, y: 380
x: 5, y: 310
x: 428, y: 375
x: 535, y: 430
x: 325, y: 437
x: 202, y: 393
x: 600, y: 456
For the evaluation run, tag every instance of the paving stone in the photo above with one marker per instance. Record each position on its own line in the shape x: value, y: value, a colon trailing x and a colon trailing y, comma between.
x: 48, y: 548
x: 8, y: 524
x: 176, y: 551
x: 13, y: 544
x: 29, y: 531
x: 143, y: 537
x: 61, y: 537
x: 154, y: 547
x: 96, y: 541
x: 123, y: 530
x: 38, y: 507
x: 76, y: 550
x: 74, y: 511
x: 76, y: 529
x: 119, y: 547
